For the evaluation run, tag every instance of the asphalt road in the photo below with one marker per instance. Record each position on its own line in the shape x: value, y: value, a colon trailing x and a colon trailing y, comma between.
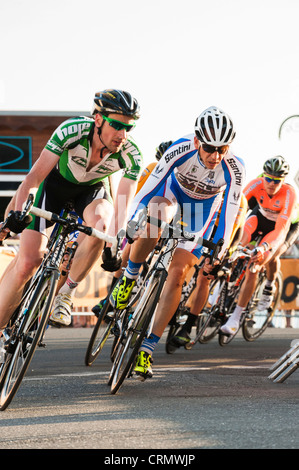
x: 211, y: 397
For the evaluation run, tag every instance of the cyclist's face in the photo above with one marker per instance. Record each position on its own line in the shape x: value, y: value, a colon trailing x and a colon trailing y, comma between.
x: 113, y: 138
x: 272, y: 188
x: 210, y: 160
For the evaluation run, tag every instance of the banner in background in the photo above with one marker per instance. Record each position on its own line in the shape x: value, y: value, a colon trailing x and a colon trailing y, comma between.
x: 94, y: 286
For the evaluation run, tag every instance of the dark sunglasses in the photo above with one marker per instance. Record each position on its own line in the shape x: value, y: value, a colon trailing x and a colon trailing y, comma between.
x: 210, y: 149
x: 270, y: 179
x: 118, y: 125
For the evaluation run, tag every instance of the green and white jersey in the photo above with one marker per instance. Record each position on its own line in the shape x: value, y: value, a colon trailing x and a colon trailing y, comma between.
x: 72, y: 140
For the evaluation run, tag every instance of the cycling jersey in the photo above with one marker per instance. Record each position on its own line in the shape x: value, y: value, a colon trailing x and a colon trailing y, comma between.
x: 72, y: 140
x: 277, y: 210
x: 145, y: 174
x: 71, y: 180
x: 181, y: 169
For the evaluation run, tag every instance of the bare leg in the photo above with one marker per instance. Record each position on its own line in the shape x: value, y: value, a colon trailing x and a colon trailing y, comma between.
x: 97, y: 214
x: 159, y: 208
x: 181, y: 263
x: 19, y: 271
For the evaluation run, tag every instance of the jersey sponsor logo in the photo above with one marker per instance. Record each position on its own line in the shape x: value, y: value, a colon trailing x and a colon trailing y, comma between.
x: 238, y: 174
x: 72, y: 129
x: 176, y: 152
x: 79, y: 160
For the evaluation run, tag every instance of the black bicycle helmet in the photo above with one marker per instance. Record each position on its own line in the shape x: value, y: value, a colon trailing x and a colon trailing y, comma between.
x: 162, y: 149
x: 276, y: 166
x: 117, y: 102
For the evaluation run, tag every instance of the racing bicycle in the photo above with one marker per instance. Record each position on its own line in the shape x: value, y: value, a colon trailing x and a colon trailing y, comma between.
x: 138, y: 316
x: 26, y: 328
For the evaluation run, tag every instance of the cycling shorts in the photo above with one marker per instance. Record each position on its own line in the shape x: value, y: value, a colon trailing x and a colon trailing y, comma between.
x: 55, y: 192
x: 197, y: 216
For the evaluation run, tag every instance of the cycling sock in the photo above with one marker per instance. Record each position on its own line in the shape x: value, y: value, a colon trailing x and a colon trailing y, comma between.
x: 68, y: 287
x: 269, y: 284
x: 190, y: 322
x: 150, y: 343
x: 132, y: 270
x: 236, y: 315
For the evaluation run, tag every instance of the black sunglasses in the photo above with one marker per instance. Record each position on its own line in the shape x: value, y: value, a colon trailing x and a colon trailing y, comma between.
x: 210, y: 149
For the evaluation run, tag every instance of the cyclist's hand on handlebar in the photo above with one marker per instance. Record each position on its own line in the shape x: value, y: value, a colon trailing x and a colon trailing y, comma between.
x: 110, y: 263
x: 16, y: 223
x: 210, y: 270
x: 258, y: 254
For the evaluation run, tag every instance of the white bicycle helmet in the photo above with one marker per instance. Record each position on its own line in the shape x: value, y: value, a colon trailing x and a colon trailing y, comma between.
x: 214, y: 127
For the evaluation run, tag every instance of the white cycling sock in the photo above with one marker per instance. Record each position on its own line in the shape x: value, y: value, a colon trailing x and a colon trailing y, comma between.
x: 68, y: 287
x: 236, y: 315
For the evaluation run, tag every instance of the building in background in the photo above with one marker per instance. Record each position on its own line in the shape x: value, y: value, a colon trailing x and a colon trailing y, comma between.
x: 23, y: 135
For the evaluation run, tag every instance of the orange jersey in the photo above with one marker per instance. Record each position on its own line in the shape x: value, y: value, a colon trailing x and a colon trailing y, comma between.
x: 145, y: 174
x: 278, y: 208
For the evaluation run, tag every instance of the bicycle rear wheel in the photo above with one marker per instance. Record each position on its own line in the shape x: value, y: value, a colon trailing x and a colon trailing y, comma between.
x: 100, y: 334
x: 26, y: 337
x: 128, y: 349
x: 256, y: 321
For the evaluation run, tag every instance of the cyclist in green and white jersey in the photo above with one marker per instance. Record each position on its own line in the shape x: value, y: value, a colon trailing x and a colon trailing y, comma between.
x: 74, y: 167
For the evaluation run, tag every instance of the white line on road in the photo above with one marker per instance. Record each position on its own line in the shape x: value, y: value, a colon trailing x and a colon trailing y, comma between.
x: 157, y: 370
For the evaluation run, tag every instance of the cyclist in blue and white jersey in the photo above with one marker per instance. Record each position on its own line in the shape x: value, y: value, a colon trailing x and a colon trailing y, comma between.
x: 74, y: 166
x: 193, y: 174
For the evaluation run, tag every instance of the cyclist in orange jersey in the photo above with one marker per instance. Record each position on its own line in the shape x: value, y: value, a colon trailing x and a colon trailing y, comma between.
x: 275, y: 202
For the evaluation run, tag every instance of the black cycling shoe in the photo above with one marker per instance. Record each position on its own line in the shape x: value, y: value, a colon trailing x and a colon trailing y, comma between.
x: 181, y: 338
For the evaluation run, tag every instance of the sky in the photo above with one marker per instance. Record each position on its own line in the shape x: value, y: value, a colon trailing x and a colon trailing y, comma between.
x: 176, y: 57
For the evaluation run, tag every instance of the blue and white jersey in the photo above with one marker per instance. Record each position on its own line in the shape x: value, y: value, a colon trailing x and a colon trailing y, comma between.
x: 182, y: 161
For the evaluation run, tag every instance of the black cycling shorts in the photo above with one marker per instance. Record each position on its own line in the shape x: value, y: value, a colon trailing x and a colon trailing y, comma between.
x: 56, y: 192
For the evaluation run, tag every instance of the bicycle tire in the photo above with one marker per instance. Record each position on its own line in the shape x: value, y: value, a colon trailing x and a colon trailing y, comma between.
x: 255, y: 322
x: 209, y: 324
x: 37, y: 314
x: 99, y: 335
x: 135, y: 336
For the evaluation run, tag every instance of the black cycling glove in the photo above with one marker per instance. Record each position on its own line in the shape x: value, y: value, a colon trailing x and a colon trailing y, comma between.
x: 14, y: 223
x: 110, y: 263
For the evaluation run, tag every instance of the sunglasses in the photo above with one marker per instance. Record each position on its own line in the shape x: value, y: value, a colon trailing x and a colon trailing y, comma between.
x: 210, y: 149
x: 118, y: 125
x: 270, y: 179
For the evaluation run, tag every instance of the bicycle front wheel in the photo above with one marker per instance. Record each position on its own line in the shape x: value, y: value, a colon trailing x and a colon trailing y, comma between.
x: 26, y: 337
x: 100, y: 334
x: 209, y: 320
x: 256, y: 321
x: 129, y: 347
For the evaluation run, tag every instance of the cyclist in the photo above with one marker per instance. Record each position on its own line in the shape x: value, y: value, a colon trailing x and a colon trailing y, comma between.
x: 192, y: 175
x: 274, y: 202
x: 74, y: 166
x: 126, y: 247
